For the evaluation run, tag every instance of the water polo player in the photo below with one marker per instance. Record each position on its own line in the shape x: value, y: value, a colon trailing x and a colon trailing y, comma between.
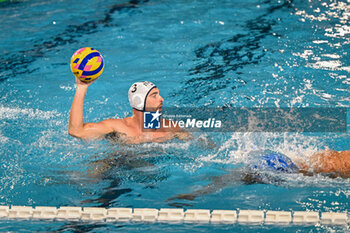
x: 143, y: 96
x: 266, y: 167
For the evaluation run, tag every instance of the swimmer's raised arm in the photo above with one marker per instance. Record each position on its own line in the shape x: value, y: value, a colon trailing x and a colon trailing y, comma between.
x: 77, y: 127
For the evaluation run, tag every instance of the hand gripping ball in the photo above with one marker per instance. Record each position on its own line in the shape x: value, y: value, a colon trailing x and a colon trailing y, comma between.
x: 87, y: 64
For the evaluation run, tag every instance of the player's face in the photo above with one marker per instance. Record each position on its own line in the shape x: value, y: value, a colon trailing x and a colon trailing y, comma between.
x: 154, y: 101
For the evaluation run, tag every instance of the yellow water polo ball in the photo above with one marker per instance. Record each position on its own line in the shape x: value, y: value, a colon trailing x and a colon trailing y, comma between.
x: 87, y: 64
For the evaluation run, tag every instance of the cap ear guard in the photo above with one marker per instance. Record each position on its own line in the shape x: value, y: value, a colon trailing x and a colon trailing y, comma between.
x: 138, y: 93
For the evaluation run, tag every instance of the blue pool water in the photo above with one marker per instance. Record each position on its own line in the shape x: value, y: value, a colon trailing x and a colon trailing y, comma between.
x: 199, y: 53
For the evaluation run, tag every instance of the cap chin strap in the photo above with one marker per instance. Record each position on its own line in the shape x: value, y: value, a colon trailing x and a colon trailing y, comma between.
x: 144, y: 104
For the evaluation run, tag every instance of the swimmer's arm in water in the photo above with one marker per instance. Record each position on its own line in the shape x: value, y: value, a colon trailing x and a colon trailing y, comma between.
x: 185, y: 135
x: 78, y: 128
x: 218, y: 182
x: 179, y: 132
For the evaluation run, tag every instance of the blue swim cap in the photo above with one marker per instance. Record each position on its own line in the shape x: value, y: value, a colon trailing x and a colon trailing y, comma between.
x: 274, y: 161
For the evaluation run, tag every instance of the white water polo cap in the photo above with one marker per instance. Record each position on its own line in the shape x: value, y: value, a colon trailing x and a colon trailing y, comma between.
x: 138, y: 93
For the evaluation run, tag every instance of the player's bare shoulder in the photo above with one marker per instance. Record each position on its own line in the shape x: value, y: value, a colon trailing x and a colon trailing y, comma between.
x: 118, y: 125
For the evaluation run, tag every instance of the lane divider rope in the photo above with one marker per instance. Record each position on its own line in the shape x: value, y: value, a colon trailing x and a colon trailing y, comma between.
x: 172, y: 215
